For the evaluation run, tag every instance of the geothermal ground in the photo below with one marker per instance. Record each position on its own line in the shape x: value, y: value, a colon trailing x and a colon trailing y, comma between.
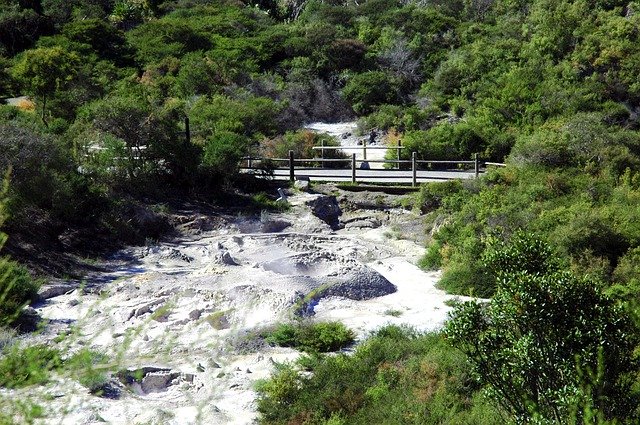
x: 179, y: 320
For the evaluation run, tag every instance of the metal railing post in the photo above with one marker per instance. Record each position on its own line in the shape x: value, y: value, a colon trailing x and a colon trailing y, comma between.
x: 353, y: 168
x: 398, y: 152
x: 322, y: 154
x: 414, y: 169
x: 292, y: 175
x: 364, y: 149
x: 476, y: 165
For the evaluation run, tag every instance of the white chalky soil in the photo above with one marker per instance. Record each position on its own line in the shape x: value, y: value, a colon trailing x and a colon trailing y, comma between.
x: 182, y: 306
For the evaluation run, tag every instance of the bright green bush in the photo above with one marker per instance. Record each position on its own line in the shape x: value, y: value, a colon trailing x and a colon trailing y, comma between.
x: 311, y: 337
x: 28, y: 366
x: 223, y: 151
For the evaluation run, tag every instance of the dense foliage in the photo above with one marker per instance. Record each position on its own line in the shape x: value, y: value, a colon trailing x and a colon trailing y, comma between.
x: 549, y: 345
x: 131, y: 100
x: 395, y: 377
x: 311, y: 337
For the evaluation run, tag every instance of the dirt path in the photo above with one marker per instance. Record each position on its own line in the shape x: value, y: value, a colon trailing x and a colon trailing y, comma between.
x: 345, y: 133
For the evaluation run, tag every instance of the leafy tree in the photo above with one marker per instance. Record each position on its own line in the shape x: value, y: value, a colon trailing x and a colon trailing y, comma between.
x: 222, y: 153
x: 104, y: 39
x: 43, y: 71
x: 549, y: 346
x: 368, y: 90
x: 20, y: 28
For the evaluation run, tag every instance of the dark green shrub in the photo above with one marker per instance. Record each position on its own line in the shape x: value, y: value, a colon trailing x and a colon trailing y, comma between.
x: 539, y: 361
x: 368, y: 90
x: 17, y: 289
x: 431, y: 195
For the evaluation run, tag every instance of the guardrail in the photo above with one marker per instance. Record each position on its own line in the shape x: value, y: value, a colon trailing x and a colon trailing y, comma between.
x: 298, y: 164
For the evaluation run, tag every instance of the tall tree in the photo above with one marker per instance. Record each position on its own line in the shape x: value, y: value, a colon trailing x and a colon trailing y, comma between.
x: 44, y: 71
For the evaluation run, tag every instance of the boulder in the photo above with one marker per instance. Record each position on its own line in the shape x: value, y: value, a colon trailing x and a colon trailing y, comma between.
x: 226, y: 259
x: 302, y: 184
x: 326, y: 208
x: 55, y: 289
x: 28, y: 321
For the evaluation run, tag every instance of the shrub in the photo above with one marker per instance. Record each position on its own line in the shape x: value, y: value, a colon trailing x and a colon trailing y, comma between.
x: 312, y: 337
x: 368, y: 90
x: 223, y: 152
x: 17, y: 289
x: 395, y: 376
x: 88, y: 367
x: 28, y: 366
x: 538, y: 361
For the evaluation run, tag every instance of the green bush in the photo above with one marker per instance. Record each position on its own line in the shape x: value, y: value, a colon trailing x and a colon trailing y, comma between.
x: 17, y: 289
x: 88, y: 368
x: 311, y: 337
x: 223, y: 152
x: 368, y: 90
x: 395, y: 376
x: 28, y: 366
x: 538, y: 361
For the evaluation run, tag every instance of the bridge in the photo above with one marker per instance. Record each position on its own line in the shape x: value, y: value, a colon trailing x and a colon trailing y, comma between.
x: 365, y: 170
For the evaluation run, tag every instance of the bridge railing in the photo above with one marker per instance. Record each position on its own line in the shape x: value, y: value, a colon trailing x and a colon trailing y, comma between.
x: 304, y: 164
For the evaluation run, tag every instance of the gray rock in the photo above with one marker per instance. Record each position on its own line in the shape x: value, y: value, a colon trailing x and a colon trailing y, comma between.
x: 111, y: 389
x: 302, y: 185
x: 361, y: 284
x: 226, y: 258
x: 274, y: 225
x: 363, y: 223
x: 55, y: 290
x: 326, y: 208
x: 28, y: 321
x: 195, y: 314
x: 157, y: 381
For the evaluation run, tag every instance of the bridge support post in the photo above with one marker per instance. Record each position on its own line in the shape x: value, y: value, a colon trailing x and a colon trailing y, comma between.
x: 414, y: 171
x: 364, y: 149
x: 476, y: 165
x: 353, y: 168
x: 292, y: 175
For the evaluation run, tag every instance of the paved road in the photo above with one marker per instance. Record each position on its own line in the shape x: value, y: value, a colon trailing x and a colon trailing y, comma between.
x: 372, y: 176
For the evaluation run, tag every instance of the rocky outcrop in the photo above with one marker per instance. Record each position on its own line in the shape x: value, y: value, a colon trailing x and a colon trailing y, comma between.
x: 326, y: 208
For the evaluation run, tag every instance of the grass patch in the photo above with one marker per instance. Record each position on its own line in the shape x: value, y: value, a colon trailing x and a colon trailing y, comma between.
x: 262, y: 201
x: 311, y: 337
x: 89, y: 368
x: 33, y: 365
x: 21, y: 367
x: 218, y: 320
